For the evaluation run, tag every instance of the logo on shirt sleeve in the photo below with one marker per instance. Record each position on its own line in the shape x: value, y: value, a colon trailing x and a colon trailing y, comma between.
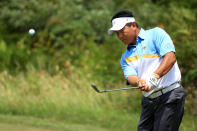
x: 169, y: 45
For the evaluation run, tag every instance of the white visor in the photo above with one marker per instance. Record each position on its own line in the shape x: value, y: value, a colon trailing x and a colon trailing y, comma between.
x: 119, y: 23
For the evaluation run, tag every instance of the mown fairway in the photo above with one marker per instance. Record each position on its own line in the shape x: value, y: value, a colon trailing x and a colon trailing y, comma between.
x: 25, y: 123
x: 22, y: 123
x: 10, y: 127
x: 74, y: 127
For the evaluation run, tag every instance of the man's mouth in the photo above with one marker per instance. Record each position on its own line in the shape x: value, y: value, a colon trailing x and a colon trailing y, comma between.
x: 123, y: 40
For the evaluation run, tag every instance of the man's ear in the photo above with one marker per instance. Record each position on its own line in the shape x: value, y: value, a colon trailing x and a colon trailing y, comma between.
x: 134, y: 24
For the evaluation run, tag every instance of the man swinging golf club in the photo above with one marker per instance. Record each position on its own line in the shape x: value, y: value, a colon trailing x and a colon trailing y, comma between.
x: 150, y: 62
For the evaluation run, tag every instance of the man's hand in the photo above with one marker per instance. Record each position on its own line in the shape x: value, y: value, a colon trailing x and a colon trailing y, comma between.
x: 153, y: 82
x: 145, y: 87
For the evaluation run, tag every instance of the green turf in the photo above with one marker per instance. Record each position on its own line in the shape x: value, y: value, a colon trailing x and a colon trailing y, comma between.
x: 24, y: 123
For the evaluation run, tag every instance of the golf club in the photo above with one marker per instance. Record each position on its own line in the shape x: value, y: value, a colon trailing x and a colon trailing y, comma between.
x: 101, y: 91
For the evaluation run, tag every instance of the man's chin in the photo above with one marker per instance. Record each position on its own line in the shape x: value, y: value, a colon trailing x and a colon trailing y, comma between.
x: 126, y: 43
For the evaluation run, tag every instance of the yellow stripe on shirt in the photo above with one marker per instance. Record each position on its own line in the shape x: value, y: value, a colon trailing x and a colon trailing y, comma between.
x: 134, y: 58
x: 130, y: 59
x: 150, y: 56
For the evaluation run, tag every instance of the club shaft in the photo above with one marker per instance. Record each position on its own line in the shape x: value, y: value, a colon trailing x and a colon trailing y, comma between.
x: 101, y: 91
x: 119, y: 89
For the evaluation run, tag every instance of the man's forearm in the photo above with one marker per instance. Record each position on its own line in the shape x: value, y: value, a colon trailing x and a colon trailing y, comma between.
x: 167, y: 63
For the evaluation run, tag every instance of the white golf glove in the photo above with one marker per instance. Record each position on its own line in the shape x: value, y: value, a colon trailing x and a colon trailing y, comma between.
x: 154, y: 80
x: 153, y: 83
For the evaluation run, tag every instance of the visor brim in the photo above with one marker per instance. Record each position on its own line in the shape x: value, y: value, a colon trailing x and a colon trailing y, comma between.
x: 116, y: 27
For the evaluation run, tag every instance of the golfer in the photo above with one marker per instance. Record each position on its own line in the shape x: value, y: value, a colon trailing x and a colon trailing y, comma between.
x: 149, y: 61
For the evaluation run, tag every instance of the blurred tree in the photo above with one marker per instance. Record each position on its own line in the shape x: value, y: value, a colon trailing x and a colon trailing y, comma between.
x: 192, y: 4
x: 73, y: 25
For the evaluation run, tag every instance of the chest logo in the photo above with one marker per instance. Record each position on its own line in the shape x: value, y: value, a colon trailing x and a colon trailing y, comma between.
x: 144, y: 48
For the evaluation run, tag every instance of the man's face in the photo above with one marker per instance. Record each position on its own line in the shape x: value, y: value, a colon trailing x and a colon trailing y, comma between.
x: 127, y: 34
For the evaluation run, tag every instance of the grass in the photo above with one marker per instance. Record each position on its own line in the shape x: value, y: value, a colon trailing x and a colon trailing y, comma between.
x: 71, y: 100
x: 18, y: 123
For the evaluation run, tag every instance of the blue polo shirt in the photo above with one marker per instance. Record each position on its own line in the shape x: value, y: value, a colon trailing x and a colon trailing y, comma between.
x: 145, y: 57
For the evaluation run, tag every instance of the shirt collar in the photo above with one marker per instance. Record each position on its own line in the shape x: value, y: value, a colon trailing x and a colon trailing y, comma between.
x: 142, y: 34
x: 130, y: 46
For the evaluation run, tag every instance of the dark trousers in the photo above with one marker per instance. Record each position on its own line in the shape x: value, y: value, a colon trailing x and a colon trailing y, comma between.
x: 163, y: 113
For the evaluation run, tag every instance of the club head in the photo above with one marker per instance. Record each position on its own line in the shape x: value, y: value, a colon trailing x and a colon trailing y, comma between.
x: 95, y: 88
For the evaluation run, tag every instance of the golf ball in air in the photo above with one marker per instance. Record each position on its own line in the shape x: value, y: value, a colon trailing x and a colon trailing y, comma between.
x: 31, y: 31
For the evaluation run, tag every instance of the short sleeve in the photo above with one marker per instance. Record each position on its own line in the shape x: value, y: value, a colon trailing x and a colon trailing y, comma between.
x: 163, y: 42
x: 127, y: 69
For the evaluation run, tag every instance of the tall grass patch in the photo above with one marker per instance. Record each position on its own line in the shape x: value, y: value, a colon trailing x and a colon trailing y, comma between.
x: 37, y: 93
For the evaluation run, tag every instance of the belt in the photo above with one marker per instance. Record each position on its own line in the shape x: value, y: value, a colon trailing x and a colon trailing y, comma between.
x: 164, y: 90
